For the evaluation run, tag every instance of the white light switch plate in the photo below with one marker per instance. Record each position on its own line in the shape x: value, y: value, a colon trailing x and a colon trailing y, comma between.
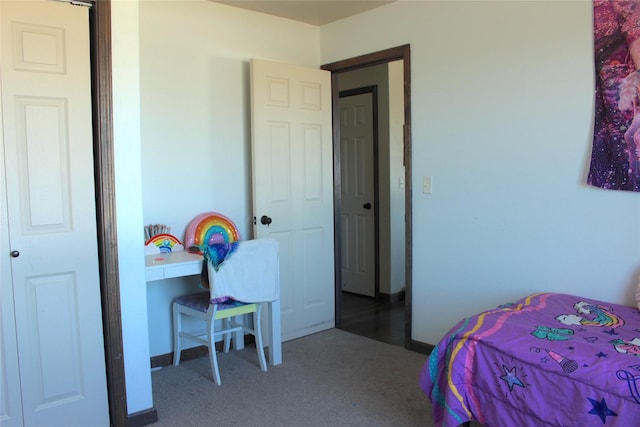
x: 427, y: 184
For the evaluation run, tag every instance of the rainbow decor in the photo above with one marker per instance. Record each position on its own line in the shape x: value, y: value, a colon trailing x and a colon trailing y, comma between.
x: 209, y: 228
x: 162, y: 243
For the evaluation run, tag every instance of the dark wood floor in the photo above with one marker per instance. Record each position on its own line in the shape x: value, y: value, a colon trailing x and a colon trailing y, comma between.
x: 380, y: 321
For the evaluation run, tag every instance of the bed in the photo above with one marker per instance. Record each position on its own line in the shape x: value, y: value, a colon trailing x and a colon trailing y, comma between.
x: 547, y: 359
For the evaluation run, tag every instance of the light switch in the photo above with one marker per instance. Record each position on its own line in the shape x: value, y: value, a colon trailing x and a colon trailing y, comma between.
x: 427, y: 184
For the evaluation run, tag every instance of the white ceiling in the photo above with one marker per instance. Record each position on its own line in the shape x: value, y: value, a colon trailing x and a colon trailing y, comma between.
x: 315, y: 12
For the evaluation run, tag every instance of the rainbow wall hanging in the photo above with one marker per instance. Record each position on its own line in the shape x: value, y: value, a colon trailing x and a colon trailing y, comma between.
x: 209, y: 228
x: 162, y: 244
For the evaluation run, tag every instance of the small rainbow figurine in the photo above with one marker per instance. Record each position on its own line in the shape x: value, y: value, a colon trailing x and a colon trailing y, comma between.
x: 209, y: 228
x: 162, y: 243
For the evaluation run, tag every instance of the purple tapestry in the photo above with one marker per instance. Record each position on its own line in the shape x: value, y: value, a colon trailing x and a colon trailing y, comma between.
x: 615, y: 158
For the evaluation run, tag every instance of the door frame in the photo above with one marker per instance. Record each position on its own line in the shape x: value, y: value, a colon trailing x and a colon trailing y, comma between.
x: 402, y: 53
x: 103, y: 152
x: 373, y: 90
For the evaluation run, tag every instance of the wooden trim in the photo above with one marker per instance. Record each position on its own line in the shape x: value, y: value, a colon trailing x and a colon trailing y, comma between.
x: 402, y: 53
x: 391, y: 298
x: 186, y: 354
x: 367, y: 60
x: 337, y: 205
x: 420, y: 347
x: 101, y: 88
x: 142, y: 418
x: 408, y: 206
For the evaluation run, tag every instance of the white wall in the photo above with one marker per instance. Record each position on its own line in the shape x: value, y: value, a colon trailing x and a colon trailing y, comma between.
x: 397, y: 241
x: 502, y: 107
x: 195, y: 119
x: 127, y: 160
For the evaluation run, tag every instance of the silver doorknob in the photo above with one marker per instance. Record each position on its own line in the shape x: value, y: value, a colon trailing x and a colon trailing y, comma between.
x: 15, y: 254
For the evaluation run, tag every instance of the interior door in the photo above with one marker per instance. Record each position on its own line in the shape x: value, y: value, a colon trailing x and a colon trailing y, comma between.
x: 357, y: 194
x: 293, y: 188
x: 51, y: 219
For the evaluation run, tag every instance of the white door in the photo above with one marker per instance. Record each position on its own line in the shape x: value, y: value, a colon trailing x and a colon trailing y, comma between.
x: 50, y: 217
x: 357, y: 194
x: 293, y: 188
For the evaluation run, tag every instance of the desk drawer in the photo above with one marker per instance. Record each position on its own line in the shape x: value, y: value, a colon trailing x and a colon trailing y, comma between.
x: 152, y: 274
x: 180, y: 270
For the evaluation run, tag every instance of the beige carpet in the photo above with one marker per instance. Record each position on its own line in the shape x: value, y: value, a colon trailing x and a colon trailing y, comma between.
x: 332, y: 378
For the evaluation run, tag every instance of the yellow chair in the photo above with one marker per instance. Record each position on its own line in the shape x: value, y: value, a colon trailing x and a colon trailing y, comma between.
x: 198, y: 305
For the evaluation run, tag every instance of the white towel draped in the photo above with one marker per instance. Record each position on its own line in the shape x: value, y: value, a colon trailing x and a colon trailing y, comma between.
x: 250, y: 274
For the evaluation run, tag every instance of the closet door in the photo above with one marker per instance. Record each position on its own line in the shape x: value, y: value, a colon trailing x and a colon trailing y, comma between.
x: 51, y: 220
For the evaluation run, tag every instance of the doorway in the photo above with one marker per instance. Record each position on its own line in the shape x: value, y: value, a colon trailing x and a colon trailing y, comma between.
x: 385, y: 294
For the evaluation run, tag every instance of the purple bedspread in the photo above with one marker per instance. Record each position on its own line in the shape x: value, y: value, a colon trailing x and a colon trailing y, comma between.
x: 548, y: 359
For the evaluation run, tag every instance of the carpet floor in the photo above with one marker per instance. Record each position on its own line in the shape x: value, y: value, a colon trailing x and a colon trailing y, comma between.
x: 332, y: 378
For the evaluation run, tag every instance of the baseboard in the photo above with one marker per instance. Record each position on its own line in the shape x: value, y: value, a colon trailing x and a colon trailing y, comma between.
x: 391, y: 298
x: 420, y: 347
x: 186, y: 354
x: 142, y: 418
x: 192, y: 353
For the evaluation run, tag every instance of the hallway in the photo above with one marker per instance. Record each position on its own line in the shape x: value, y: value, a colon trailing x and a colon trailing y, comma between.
x: 380, y: 321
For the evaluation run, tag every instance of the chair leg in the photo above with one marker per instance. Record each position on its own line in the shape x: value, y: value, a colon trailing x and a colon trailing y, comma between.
x: 177, y: 327
x: 213, y: 359
x: 257, y: 328
x: 238, y: 336
x: 227, y: 337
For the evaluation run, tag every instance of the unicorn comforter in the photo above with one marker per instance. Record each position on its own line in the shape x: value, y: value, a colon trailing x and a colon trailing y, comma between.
x: 548, y: 359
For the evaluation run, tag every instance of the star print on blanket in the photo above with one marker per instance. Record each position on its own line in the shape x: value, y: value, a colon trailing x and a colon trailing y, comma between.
x: 507, y: 366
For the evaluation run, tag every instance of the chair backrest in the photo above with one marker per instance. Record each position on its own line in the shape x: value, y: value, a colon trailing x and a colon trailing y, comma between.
x: 251, y: 273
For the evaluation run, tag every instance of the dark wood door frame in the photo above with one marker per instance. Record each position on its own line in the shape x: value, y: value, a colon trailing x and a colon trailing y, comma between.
x: 373, y: 90
x: 402, y: 53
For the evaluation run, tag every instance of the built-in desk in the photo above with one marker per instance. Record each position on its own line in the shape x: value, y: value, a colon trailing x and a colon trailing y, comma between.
x: 183, y: 263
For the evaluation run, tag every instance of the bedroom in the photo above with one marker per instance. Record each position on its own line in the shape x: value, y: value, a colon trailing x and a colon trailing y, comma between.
x: 502, y: 97
x: 510, y: 212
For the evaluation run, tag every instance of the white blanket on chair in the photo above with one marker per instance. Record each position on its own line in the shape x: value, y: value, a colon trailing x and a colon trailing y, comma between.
x: 250, y: 274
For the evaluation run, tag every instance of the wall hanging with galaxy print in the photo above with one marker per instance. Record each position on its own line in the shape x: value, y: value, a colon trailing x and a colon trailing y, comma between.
x: 615, y: 158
